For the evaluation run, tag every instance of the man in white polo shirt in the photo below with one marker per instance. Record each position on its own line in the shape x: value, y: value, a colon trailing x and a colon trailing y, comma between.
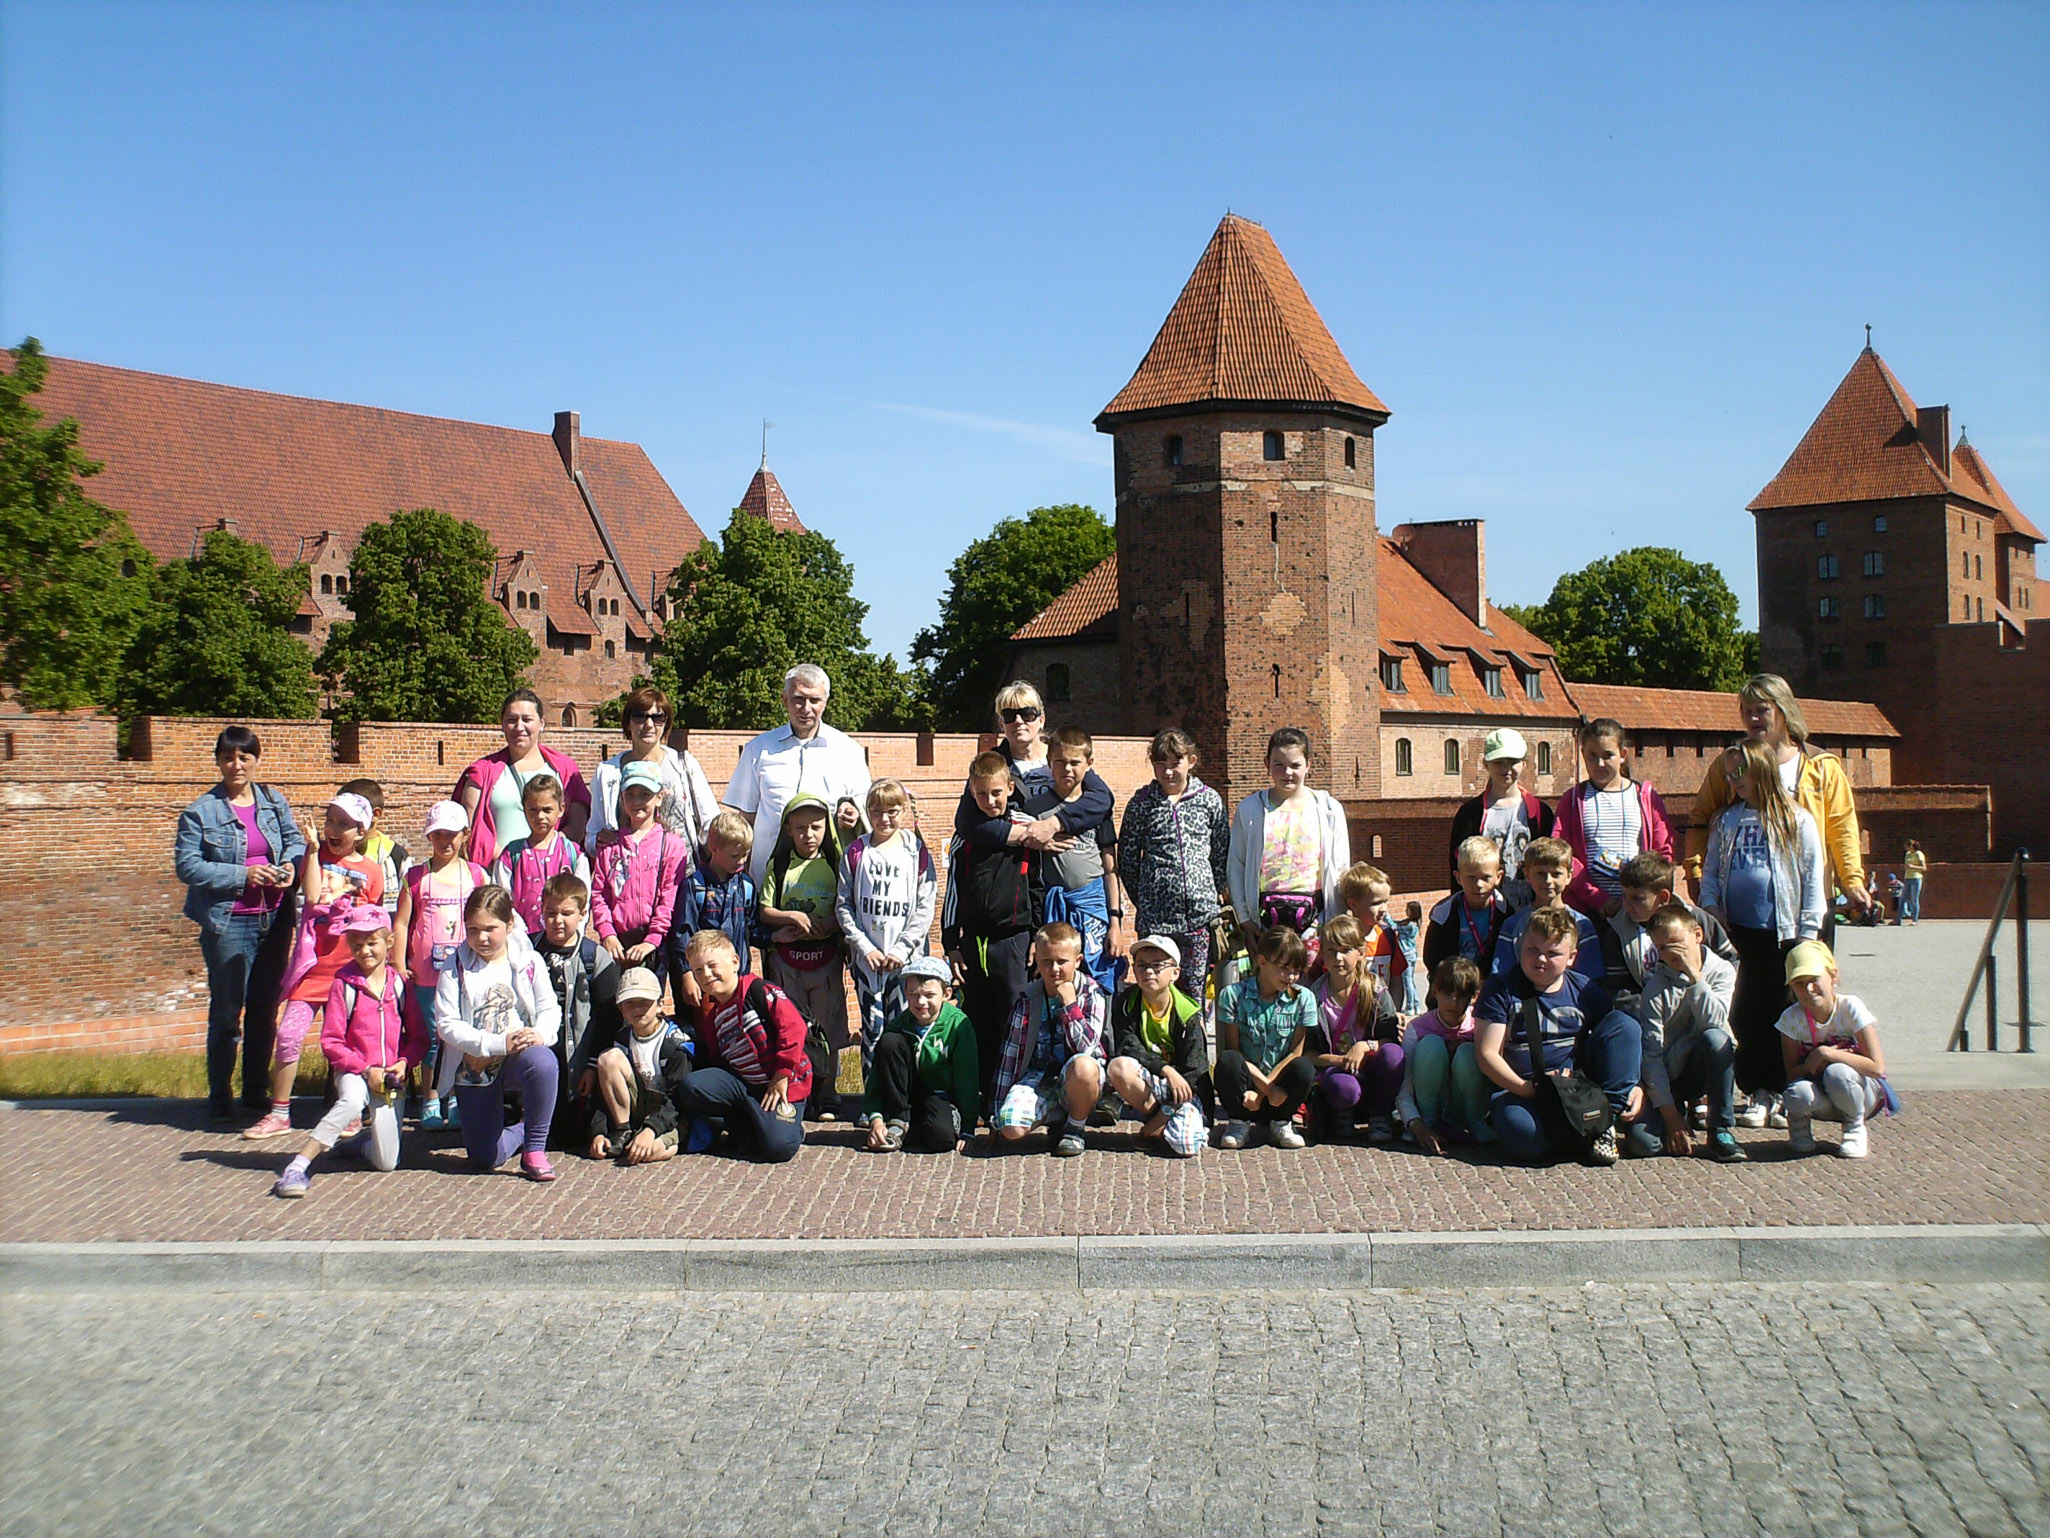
x: 808, y: 756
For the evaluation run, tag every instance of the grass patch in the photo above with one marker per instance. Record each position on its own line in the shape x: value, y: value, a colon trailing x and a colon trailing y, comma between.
x: 92, y: 1075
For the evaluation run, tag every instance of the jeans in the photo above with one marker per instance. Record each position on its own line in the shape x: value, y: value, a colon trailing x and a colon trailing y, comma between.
x: 1448, y: 1084
x: 487, y: 1139
x: 1233, y: 1080
x: 1610, y: 1052
x: 230, y: 953
x: 932, y: 1123
x: 1701, y: 1064
x: 717, y: 1094
x: 1911, y: 899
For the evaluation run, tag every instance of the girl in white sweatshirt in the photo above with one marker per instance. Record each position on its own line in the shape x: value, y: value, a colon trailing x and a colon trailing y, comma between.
x: 888, y: 890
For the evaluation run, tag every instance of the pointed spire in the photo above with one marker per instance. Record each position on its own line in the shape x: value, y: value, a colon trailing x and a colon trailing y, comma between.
x: 1243, y: 333
x: 764, y: 498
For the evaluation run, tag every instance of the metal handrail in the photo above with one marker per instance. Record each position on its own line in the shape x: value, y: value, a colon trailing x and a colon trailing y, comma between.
x: 2014, y: 894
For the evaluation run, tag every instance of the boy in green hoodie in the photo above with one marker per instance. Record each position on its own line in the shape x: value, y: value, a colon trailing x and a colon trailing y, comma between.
x: 1162, y: 1066
x: 924, y: 1087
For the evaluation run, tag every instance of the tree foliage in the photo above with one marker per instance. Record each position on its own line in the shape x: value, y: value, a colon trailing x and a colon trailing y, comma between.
x: 752, y: 605
x: 215, y: 638
x: 994, y: 586
x: 1648, y: 616
x: 73, y: 577
x: 427, y: 641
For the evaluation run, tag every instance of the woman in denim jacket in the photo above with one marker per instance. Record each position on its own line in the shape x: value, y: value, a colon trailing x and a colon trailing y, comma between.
x: 237, y: 852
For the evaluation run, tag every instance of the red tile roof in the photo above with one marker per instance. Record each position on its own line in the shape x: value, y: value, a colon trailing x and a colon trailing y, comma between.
x: 182, y: 454
x: 765, y: 499
x: 1087, y: 611
x: 1864, y: 447
x: 1243, y: 331
x: 1706, y: 710
x: 1416, y: 615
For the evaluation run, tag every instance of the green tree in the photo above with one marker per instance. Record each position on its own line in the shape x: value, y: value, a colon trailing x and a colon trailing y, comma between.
x: 752, y: 605
x: 994, y: 586
x: 215, y: 639
x: 1647, y: 616
x: 427, y: 642
x: 73, y: 577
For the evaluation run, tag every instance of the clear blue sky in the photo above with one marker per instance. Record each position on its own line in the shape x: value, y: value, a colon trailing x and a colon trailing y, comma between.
x: 1604, y: 262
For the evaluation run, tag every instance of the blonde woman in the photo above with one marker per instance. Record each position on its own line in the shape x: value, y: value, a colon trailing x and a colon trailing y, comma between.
x: 1764, y: 876
x: 1815, y: 779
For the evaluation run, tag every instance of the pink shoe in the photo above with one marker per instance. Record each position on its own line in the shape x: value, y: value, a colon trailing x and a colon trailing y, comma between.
x: 535, y: 1166
x: 273, y: 1124
x: 352, y: 1129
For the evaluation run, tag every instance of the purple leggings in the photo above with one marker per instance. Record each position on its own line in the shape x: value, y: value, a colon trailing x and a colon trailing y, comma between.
x: 1377, y: 1083
x: 486, y: 1137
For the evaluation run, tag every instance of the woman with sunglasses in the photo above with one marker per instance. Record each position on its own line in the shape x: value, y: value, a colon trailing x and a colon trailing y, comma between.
x: 1021, y: 717
x: 687, y: 805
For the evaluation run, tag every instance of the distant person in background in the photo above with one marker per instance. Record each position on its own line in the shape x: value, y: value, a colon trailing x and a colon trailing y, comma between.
x: 1505, y: 812
x: 1814, y: 779
x: 490, y: 790
x: 806, y: 757
x: 237, y: 851
x: 1916, y: 865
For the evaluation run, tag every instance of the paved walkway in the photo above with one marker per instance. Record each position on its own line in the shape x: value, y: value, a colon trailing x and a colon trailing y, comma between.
x: 1667, y: 1410
x: 152, y: 1173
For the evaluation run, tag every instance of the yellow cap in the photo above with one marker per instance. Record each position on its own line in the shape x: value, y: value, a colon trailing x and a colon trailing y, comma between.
x: 1811, y: 958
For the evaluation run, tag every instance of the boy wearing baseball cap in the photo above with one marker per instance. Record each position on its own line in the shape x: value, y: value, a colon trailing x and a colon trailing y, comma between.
x: 1162, y: 1066
x: 925, y: 1085
x: 1830, y: 1042
x: 635, y: 1119
x: 1504, y: 812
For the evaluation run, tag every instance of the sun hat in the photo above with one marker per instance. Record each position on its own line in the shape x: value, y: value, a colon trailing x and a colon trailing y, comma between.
x: 447, y: 817
x: 353, y: 807
x: 1811, y: 958
x: 638, y: 983
x: 1161, y: 943
x: 643, y: 774
x: 1504, y: 742
x: 934, y: 967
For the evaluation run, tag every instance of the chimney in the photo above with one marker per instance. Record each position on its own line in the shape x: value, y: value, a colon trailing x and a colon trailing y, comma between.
x: 1453, y: 557
x: 569, y: 442
x: 1932, y: 426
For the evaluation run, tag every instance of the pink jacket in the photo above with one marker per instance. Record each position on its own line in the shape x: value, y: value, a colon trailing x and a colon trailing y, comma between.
x: 351, y: 1042
x: 1581, y: 892
x: 484, y: 774
x: 634, y: 891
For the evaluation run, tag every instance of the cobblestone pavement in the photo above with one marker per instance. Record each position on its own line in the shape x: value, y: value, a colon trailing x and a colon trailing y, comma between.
x: 152, y: 1173
x: 1668, y: 1410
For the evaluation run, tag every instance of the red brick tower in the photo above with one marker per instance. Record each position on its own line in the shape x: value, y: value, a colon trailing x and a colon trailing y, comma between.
x: 1245, y: 525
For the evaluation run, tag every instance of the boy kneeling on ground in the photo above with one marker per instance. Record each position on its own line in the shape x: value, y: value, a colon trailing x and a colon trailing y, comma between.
x: 924, y: 1086
x: 1162, y: 1069
x: 751, y: 1078
x: 1054, y: 1054
x: 635, y: 1120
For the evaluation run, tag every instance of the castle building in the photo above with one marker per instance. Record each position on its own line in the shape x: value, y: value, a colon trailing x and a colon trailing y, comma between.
x: 1894, y: 567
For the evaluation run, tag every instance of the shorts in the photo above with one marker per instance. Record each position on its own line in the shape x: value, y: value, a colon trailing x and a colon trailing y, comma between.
x: 1187, y: 1134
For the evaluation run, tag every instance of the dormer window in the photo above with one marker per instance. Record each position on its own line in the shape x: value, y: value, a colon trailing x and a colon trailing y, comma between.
x: 1441, y: 677
x: 1391, y: 676
x: 327, y: 582
x: 1491, y: 680
x: 519, y: 598
x: 1533, y: 682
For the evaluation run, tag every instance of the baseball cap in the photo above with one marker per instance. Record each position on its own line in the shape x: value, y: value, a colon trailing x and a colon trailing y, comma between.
x: 353, y: 807
x: 638, y: 983
x: 1811, y: 958
x: 1504, y: 742
x: 364, y: 918
x: 447, y: 817
x: 1161, y: 943
x: 934, y: 967
x: 643, y: 774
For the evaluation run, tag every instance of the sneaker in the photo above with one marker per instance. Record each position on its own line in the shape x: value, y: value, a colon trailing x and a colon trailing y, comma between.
x: 452, y: 1114
x: 1070, y: 1142
x: 1724, y: 1148
x: 701, y: 1135
x: 1640, y: 1142
x: 1380, y: 1129
x: 1853, y: 1145
x: 1603, y: 1150
x: 221, y: 1115
x: 292, y: 1183
x: 354, y: 1129
x: 1801, y: 1136
x: 1698, y: 1117
x: 893, y: 1135
x: 1108, y: 1111
x: 1776, y: 1112
x: 431, y: 1119
x: 1234, y: 1135
x: 1753, y: 1112
x: 535, y: 1167
x: 1286, y: 1135
x: 274, y: 1124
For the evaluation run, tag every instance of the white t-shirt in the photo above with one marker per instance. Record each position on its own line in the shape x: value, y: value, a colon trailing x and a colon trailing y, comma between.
x: 1509, y: 827
x: 1614, y: 823
x: 645, y: 1053
x: 1790, y: 773
x: 776, y: 767
x: 1840, y: 1028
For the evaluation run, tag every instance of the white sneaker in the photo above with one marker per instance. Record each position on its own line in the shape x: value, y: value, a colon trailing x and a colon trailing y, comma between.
x: 1800, y: 1136
x: 1776, y: 1111
x: 1752, y: 1113
x: 1853, y: 1145
x: 1286, y: 1136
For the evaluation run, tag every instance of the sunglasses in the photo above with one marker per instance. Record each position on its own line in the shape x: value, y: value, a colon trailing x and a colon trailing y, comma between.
x: 1021, y: 713
x: 649, y: 715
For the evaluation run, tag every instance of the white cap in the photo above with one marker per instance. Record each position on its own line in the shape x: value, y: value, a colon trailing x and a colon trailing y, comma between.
x: 1161, y: 943
x: 355, y: 808
x: 447, y: 817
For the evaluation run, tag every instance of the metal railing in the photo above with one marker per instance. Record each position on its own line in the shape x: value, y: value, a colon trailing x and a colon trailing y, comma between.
x: 2014, y: 897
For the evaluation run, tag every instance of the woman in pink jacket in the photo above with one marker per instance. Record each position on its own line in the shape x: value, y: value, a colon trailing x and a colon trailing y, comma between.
x: 490, y: 790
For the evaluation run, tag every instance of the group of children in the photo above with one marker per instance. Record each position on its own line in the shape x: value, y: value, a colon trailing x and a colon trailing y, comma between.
x: 1562, y: 999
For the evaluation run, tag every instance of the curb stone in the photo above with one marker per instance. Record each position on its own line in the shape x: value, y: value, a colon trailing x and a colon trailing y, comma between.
x: 1960, y: 1253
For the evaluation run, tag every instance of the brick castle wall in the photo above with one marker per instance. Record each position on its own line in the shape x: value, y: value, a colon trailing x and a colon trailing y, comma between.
x: 100, y: 955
